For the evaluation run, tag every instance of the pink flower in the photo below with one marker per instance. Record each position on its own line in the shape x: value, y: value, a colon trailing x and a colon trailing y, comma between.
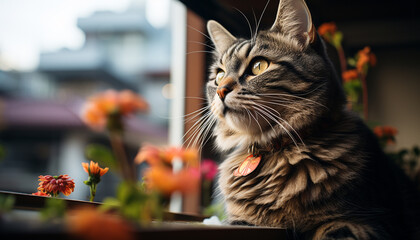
x: 208, y: 169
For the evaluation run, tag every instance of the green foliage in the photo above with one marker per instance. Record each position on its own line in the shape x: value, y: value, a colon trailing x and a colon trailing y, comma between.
x: 102, y: 155
x: 54, y: 208
x: 6, y: 203
x: 337, y: 39
x: 216, y: 209
x: 134, y: 203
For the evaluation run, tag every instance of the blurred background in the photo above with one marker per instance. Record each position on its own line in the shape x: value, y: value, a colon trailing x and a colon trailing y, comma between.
x: 55, y: 54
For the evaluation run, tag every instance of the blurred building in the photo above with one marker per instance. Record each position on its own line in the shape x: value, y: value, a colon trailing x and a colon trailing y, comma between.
x: 40, y: 127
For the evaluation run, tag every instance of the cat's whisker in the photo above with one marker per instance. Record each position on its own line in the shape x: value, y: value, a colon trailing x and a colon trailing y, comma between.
x: 195, y: 116
x: 203, y: 128
x: 198, y: 98
x: 270, y: 115
x: 209, y: 46
x: 205, y: 35
x: 207, y: 133
x: 281, y: 119
x: 249, y: 24
x: 256, y: 119
x: 194, y: 128
x: 278, y: 104
x: 249, y: 119
x: 188, y: 53
x: 259, y: 21
x: 256, y: 107
x: 289, y: 95
x: 196, y: 112
x: 256, y: 30
x: 205, y: 138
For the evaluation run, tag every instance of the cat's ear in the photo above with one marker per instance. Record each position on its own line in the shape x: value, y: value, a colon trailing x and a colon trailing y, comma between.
x: 221, y: 37
x: 294, y: 20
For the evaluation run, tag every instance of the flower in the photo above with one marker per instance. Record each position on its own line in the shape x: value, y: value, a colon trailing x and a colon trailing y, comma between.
x: 327, y: 28
x: 385, y: 134
x: 93, y: 169
x: 92, y: 224
x: 40, y: 193
x: 161, y: 176
x: 208, y: 169
x: 53, y: 185
x: 95, y: 173
x: 165, y: 181
x: 365, y: 56
x: 100, y: 107
x: 350, y: 75
x: 156, y: 156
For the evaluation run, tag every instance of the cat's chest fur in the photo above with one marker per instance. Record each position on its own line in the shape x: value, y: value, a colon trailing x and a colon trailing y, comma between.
x: 290, y: 184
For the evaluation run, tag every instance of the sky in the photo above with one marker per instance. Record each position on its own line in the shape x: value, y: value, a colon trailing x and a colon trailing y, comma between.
x: 29, y: 27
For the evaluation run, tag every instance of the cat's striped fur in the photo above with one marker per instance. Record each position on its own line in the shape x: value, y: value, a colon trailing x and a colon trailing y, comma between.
x: 329, y: 178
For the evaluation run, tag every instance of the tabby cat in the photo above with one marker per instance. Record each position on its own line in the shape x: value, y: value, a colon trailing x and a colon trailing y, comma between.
x: 297, y: 159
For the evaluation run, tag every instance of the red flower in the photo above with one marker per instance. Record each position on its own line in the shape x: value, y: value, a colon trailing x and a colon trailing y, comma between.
x: 53, y: 185
x: 327, y: 28
x: 350, y: 75
x: 386, y: 134
x: 39, y: 193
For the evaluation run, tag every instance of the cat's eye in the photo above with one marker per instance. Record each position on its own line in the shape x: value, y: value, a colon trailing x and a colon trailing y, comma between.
x: 258, y: 66
x: 219, y: 76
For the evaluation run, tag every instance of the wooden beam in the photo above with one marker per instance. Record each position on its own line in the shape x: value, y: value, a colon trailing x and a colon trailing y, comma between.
x: 195, y: 79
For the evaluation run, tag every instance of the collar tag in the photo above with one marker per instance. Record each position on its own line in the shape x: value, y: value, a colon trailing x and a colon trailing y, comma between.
x: 247, y: 166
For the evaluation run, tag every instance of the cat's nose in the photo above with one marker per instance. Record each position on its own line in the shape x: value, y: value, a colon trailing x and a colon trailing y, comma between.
x: 223, y: 91
x: 226, y: 86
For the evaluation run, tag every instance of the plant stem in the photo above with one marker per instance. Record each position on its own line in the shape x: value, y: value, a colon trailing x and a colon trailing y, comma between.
x: 365, y: 96
x: 342, y: 58
x: 92, y: 192
x: 127, y: 170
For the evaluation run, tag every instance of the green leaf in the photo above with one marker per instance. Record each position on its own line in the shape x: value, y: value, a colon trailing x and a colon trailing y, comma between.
x: 6, y: 203
x: 102, y: 155
x: 110, y: 203
x: 54, y: 208
x: 337, y: 39
x: 352, y: 62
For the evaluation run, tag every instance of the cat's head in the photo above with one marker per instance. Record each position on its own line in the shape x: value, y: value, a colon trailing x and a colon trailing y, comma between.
x: 275, y: 84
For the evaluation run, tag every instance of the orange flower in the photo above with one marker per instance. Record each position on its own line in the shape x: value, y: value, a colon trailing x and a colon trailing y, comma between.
x: 93, y: 169
x: 390, y: 131
x: 163, y: 180
x: 350, y: 75
x: 39, y: 193
x: 378, y: 131
x: 327, y: 28
x: 53, y: 185
x: 154, y: 155
x: 91, y: 224
x: 386, y: 134
x: 150, y: 154
x: 130, y: 102
x: 99, y: 107
x: 365, y: 56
